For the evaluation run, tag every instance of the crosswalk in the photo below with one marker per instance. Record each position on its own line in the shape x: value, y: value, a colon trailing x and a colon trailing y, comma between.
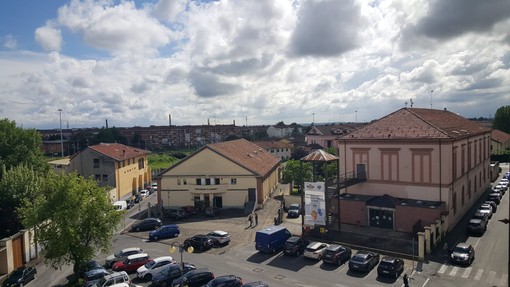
x: 477, y: 274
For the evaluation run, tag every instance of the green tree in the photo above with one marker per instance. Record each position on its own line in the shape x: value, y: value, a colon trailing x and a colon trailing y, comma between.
x: 20, y: 146
x: 73, y: 218
x: 298, y: 152
x: 502, y: 119
x: 109, y: 135
x: 292, y: 172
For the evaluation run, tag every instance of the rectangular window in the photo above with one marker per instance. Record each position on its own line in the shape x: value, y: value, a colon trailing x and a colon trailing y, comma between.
x: 233, y: 181
x: 184, y: 182
x: 105, y: 177
x: 216, y: 181
x: 96, y: 163
x: 141, y: 164
x: 207, y: 181
x: 199, y: 181
x: 178, y: 181
x: 97, y: 177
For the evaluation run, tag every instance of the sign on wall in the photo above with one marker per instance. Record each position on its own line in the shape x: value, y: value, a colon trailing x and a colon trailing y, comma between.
x: 315, y: 204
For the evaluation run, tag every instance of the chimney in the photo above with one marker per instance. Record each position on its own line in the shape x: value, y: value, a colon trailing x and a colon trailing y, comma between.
x: 106, y: 123
x: 234, y: 122
x: 170, y: 119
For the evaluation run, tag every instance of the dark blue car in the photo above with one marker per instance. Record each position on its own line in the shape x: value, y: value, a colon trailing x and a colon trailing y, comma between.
x: 169, y: 274
x: 165, y: 231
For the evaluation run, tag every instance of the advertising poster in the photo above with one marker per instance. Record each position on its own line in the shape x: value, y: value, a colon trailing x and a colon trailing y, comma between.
x: 315, y: 204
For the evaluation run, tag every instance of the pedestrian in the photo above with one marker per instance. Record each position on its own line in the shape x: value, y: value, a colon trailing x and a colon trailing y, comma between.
x: 445, y: 250
x: 406, y: 280
x: 250, y: 219
x: 256, y: 219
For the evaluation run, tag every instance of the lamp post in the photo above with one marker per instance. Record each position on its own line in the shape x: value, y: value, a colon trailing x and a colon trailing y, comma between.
x: 173, y: 246
x: 61, y: 137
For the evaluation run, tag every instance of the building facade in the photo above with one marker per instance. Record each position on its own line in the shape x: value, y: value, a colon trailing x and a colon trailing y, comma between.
x: 420, y: 165
x: 232, y: 174
x: 281, y: 149
x: 326, y: 135
x: 123, y: 168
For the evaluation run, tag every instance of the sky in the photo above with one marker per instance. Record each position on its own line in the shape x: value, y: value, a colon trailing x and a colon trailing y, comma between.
x: 134, y: 63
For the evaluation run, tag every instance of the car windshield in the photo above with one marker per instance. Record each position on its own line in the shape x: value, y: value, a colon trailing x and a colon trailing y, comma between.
x: 17, y: 273
x: 294, y: 207
x: 149, y: 264
x: 460, y: 249
x: 94, y: 276
x: 385, y: 264
x: 118, y: 254
x: 358, y: 259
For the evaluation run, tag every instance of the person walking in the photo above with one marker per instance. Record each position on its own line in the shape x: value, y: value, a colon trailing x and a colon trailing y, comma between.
x: 446, y: 251
x: 406, y: 280
x: 250, y: 219
x: 256, y: 219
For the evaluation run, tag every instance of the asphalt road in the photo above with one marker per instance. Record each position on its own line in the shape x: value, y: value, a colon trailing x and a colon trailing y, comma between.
x: 490, y: 267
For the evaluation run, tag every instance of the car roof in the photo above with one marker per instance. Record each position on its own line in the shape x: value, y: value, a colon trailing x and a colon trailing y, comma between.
x: 475, y: 220
x: 315, y: 244
x: 139, y: 255
x: 389, y: 259
x: 335, y: 247
x: 198, y: 271
x: 115, y: 274
x: 463, y: 245
x: 293, y: 239
x: 95, y: 271
x: 163, y: 258
x: 131, y: 249
x: 224, y: 278
x: 220, y: 232
x: 295, y: 204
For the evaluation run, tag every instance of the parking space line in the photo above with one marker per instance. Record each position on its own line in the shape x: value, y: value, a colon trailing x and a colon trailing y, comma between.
x: 478, y: 274
x: 492, y: 275
x: 466, y: 272
x: 502, y: 281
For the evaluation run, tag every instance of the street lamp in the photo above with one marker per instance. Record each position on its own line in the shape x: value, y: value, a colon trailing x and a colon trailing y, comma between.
x: 173, y: 247
x: 61, y: 137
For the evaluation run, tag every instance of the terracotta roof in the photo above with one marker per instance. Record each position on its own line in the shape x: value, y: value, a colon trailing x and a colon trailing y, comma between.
x: 118, y: 151
x: 500, y: 136
x: 328, y: 130
x: 319, y: 155
x: 272, y: 144
x: 247, y: 155
x: 415, y: 123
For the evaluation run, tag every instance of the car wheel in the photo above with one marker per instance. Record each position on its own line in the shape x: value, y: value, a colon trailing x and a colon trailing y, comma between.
x: 176, y: 234
x: 147, y: 277
x: 138, y: 229
x: 155, y: 238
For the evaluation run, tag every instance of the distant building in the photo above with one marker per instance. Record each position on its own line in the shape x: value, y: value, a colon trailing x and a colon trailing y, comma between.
x: 326, y: 135
x: 231, y: 174
x: 500, y: 141
x: 121, y: 167
x: 281, y: 149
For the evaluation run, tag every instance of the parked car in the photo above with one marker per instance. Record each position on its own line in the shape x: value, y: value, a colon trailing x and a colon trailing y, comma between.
x: 462, y: 253
x: 176, y: 214
x: 147, y: 224
x: 255, y: 284
x: 200, y: 242
x: 337, y: 254
x: 212, y: 211
x: 153, y: 267
x: 137, y: 198
x: 225, y: 281
x: 132, y: 263
x: 294, y: 211
x: 113, y: 279
x: 219, y: 237
x: 485, y: 206
x: 194, y: 278
x: 88, y: 265
x: 493, y: 205
x: 271, y: 239
x: 363, y: 261
x: 154, y: 186
x: 476, y: 226
x: 494, y: 197
x: 93, y: 276
x: 121, y: 255
x: 170, y: 273
x: 390, y: 266
x: 130, y: 203
x: 295, y: 245
x: 482, y: 216
x: 165, y: 231
x: 486, y: 211
x: 21, y: 276
x: 144, y: 193
x: 315, y: 250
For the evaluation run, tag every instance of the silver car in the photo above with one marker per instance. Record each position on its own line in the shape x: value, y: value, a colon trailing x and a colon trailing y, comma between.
x: 219, y: 237
x: 315, y: 250
x: 121, y: 255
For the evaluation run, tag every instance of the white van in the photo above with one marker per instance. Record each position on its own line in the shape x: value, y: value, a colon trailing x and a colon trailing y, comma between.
x: 120, y: 205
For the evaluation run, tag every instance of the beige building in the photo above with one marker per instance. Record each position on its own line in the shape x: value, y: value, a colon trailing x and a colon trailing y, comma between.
x: 423, y: 165
x: 281, y: 149
x: 500, y: 142
x: 123, y: 168
x: 232, y: 174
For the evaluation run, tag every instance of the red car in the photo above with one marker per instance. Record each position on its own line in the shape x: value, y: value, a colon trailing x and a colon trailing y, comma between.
x: 132, y: 262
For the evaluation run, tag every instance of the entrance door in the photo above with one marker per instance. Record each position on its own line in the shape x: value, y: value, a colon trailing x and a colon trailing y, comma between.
x: 381, y: 218
x: 218, y: 201
x: 252, y: 194
x: 207, y: 201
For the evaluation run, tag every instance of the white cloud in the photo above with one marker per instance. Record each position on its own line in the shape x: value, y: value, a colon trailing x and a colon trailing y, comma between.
x: 10, y: 42
x: 49, y: 38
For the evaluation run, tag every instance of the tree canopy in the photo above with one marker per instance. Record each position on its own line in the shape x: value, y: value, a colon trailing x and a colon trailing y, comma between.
x: 292, y: 172
x: 502, y: 119
x: 72, y: 216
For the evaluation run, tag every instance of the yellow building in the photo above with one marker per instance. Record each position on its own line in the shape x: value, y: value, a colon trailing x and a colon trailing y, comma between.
x: 121, y: 167
x: 232, y: 174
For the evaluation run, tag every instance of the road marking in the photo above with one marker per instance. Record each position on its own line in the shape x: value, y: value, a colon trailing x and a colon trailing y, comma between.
x: 442, y: 269
x: 454, y: 271
x: 492, y: 274
x: 478, y: 274
x: 477, y: 241
x: 503, y: 280
x: 426, y: 281
x: 466, y: 272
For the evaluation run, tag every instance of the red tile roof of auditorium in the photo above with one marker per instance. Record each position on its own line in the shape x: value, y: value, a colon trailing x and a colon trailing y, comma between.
x: 118, y: 151
x: 247, y: 155
x: 417, y: 123
x: 500, y: 136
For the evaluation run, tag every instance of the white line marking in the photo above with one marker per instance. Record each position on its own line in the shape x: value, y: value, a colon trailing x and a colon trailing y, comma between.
x: 502, y: 281
x: 426, y: 281
x: 477, y: 241
x: 454, y: 271
x: 492, y: 274
x: 442, y: 269
x: 478, y: 274
x: 466, y: 272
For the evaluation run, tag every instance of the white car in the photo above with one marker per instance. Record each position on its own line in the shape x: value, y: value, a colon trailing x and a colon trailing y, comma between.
x: 144, y: 193
x: 153, y: 267
x: 219, y: 237
x: 486, y: 208
x: 315, y: 250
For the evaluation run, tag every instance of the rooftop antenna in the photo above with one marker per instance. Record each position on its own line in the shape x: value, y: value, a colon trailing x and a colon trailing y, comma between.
x: 411, y: 102
x: 431, y: 91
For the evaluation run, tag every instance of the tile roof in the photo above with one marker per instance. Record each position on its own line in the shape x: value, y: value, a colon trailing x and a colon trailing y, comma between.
x: 272, y: 144
x: 118, y: 151
x: 247, y: 155
x: 319, y: 155
x: 416, y: 123
x: 500, y: 136
x: 341, y: 129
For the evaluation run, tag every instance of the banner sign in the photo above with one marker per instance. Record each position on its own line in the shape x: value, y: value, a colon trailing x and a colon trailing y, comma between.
x: 315, y: 204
